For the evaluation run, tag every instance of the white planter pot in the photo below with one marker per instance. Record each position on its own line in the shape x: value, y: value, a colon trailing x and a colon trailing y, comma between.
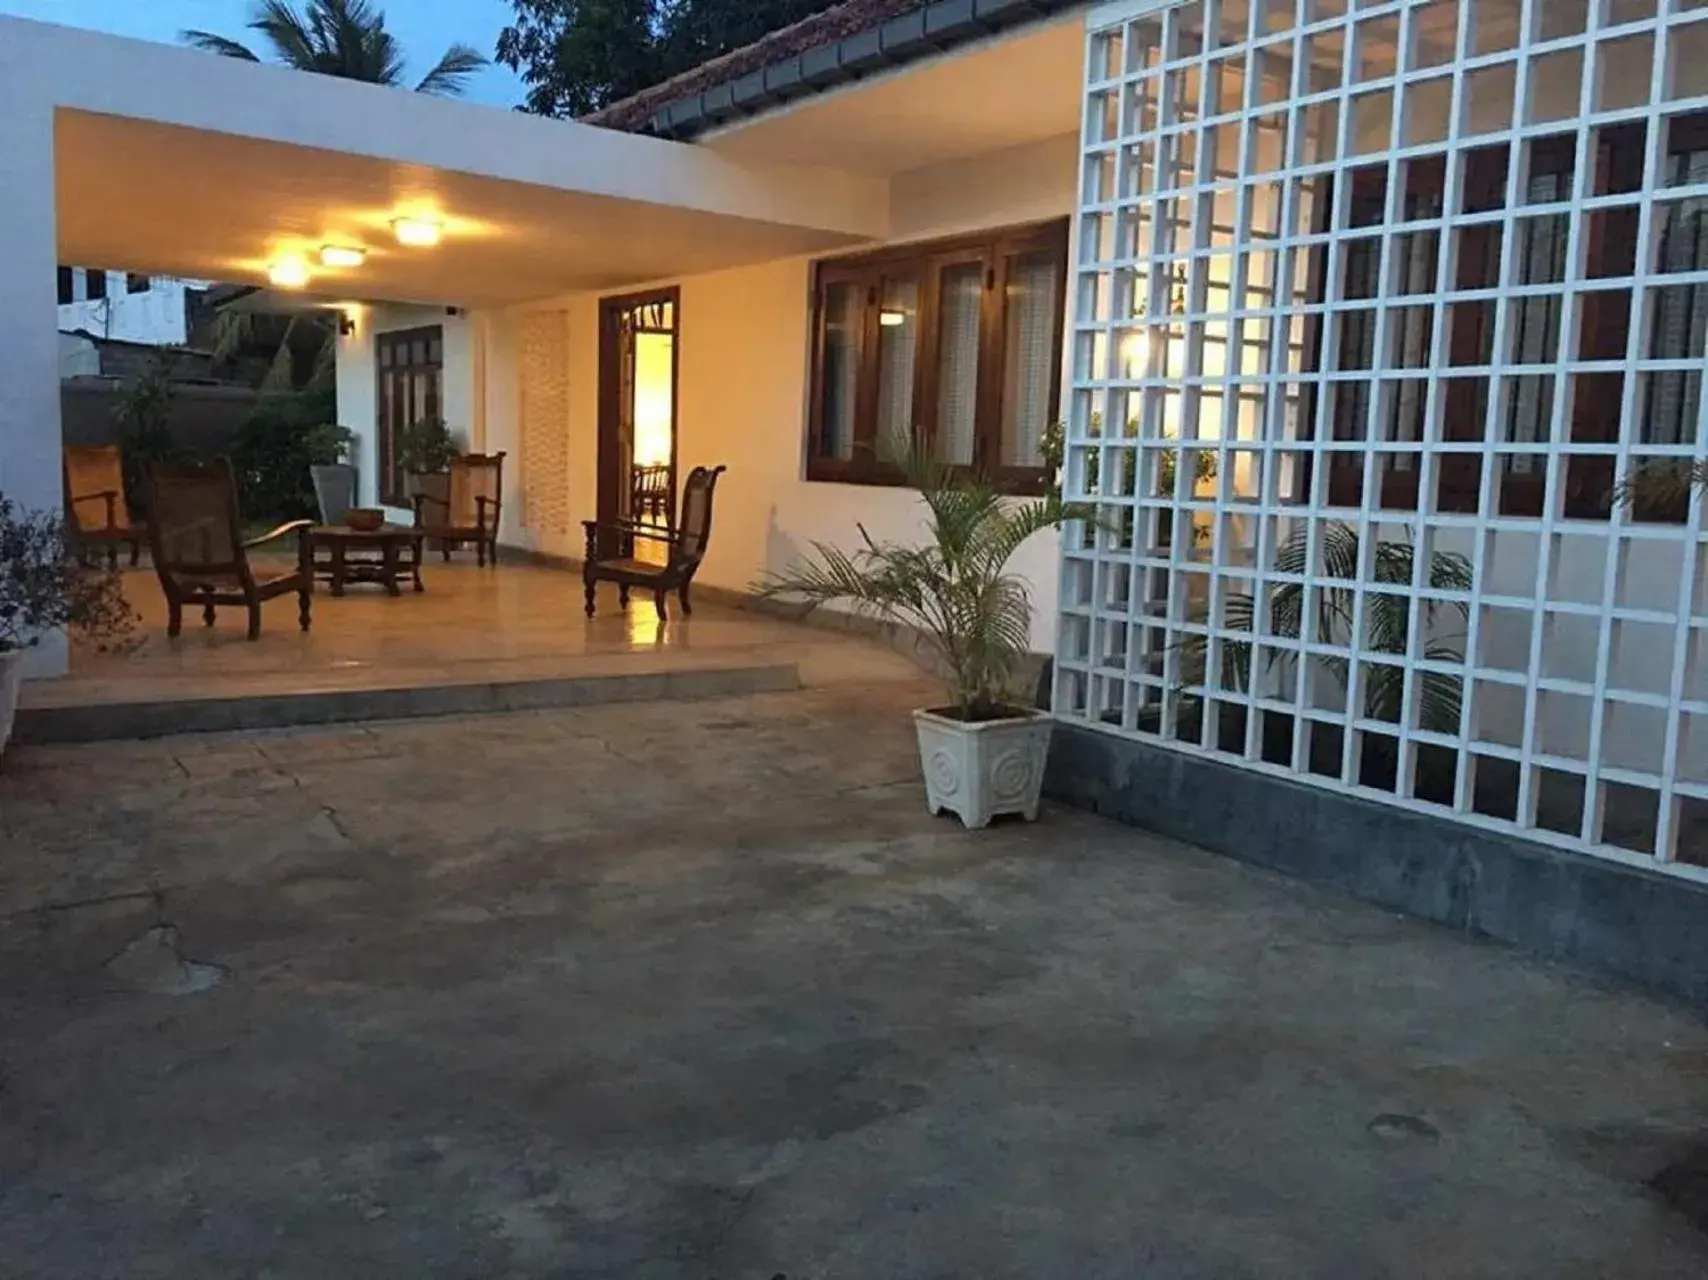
x: 11, y: 685
x: 978, y: 771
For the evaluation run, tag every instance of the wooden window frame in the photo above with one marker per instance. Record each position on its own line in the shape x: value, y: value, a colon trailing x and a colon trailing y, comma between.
x: 400, y: 341
x: 925, y: 262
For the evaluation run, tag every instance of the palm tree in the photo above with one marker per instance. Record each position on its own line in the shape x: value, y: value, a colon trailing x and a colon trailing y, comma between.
x: 345, y: 38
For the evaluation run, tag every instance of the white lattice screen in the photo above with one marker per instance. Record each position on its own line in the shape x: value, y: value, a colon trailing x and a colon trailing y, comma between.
x: 1375, y: 304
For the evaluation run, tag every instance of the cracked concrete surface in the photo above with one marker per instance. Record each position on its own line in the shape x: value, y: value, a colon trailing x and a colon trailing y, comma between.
x: 698, y: 992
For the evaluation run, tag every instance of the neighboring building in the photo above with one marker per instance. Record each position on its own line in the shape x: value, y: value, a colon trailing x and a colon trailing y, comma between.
x: 86, y: 355
x: 125, y: 306
x: 1302, y: 277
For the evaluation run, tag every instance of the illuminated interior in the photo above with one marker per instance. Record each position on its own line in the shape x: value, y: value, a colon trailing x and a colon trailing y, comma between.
x: 655, y: 398
x: 653, y: 413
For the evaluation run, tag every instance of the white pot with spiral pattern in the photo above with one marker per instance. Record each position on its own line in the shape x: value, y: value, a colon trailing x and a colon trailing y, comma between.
x: 979, y: 769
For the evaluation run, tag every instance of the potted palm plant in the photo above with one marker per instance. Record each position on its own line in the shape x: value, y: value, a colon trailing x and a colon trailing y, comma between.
x: 983, y: 750
x: 43, y: 589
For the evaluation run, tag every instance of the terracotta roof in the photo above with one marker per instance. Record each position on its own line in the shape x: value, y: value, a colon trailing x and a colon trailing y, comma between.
x: 835, y: 23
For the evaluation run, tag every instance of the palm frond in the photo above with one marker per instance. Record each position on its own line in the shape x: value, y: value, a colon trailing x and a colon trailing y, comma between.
x: 953, y: 588
x: 450, y: 75
x: 231, y: 330
x: 297, y: 37
x: 1442, y: 694
x: 1670, y: 482
x: 208, y: 42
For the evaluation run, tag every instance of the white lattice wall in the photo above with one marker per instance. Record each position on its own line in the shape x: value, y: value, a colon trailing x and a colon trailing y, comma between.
x: 1376, y: 303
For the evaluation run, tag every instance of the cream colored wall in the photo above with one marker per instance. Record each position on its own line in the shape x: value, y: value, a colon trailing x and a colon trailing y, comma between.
x: 744, y: 366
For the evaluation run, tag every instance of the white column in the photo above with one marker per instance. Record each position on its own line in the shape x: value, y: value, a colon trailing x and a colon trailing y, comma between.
x: 29, y: 328
x: 357, y: 395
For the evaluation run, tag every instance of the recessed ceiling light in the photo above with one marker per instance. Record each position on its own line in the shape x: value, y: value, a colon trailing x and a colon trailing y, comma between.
x: 288, y: 273
x: 341, y: 255
x: 418, y: 233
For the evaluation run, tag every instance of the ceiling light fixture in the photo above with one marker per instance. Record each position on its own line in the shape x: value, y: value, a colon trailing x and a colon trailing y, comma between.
x: 341, y: 255
x: 288, y: 273
x: 417, y: 233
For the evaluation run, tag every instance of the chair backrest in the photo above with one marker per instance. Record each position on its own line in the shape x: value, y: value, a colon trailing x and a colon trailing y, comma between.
x: 194, y: 524
x: 475, y: 476
x: 694, y: 528
x: 334, y: 491
x: 93, y: 471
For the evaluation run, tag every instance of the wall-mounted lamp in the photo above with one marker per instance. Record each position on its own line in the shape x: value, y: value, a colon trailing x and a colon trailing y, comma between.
x: 892, y: 319
x: 346, y: 325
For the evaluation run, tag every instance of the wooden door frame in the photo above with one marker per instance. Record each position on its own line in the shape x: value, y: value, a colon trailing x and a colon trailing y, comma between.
x: 610, y: 382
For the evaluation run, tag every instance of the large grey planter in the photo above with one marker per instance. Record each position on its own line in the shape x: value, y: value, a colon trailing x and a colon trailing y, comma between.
x: 979, y: 771
x: 11, y: 687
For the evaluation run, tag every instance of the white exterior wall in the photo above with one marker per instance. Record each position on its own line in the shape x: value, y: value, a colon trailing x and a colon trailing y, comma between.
x: 744, y: 357
x: 155, y: 316
x: 29, y: 391
x: 358, y: 387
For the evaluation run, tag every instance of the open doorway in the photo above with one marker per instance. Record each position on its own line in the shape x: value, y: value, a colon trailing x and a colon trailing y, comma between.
x: 637, y: 415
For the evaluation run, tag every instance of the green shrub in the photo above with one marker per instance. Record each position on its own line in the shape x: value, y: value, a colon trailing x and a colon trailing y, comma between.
x: 142, y: 413
x: 283, y: 436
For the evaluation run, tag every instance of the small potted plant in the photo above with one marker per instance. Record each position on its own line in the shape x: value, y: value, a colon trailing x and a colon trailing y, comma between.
x: 43, y: 589
x: 983, y: 751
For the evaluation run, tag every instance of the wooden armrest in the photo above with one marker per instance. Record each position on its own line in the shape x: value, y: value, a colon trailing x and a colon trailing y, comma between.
x: 273, y: 535
x: 640, y: 528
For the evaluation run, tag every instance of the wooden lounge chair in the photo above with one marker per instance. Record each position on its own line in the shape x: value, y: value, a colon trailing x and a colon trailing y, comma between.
x: 202, y: 557
x: 472, y: 510
x: 610, y: 548
x: 95, y: 503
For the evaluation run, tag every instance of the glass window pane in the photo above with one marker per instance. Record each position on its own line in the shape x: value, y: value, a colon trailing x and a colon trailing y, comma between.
x: 898, y: 350
x: 959, y: 307
x: 1028, y: 356
x: 839, y: 374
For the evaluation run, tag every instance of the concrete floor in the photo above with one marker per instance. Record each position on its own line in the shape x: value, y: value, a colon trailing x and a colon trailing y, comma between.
x: 702, y: 992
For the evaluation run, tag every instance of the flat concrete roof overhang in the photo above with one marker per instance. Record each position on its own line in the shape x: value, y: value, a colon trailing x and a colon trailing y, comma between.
x: 169, y: 160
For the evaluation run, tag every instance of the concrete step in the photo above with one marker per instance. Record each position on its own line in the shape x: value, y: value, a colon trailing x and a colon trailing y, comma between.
x: 73, y: 711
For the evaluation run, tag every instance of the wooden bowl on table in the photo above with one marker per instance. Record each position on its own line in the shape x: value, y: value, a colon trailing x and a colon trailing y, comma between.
x: 364, y: 519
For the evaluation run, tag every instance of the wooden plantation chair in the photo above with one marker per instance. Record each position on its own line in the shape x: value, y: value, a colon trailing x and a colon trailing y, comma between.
x: 202, y: 557
x: 472, y: 510
x: 95, y: 503
x: 687, y: 543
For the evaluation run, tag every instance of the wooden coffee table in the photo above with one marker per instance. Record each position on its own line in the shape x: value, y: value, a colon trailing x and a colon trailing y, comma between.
x: 383, y: 555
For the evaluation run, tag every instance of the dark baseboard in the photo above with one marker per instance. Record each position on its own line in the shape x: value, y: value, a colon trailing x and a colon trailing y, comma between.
x: 1585, y: 911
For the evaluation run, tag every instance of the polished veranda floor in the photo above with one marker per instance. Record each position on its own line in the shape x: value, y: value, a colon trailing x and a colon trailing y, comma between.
x: 514, y: 623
